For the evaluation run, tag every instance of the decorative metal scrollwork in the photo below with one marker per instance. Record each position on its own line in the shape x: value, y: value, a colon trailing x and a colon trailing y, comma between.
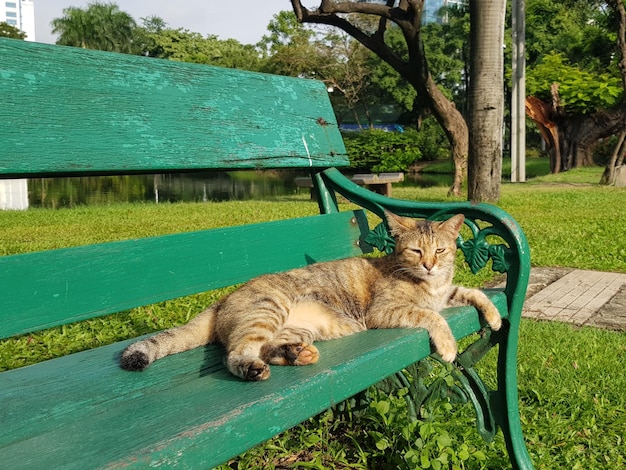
x: 381, y: 239
x: 478, y: 251
x: 458, y: 383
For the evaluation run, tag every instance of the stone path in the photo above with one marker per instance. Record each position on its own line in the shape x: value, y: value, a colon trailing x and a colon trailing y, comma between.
x: 577, y: 296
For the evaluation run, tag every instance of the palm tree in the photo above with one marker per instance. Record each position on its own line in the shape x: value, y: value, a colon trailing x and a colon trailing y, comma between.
x: 101, y: 26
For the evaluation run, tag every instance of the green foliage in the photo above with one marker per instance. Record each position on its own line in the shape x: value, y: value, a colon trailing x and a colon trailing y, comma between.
x: 185, y: 46
x: 10, y: 31
x: 101, y: 26
x: 387, y: 78
x: 580, y: 91
x: 432, y: 141
x: 447, y: 49
x: 284, y: 29
x: 576, y: 28
x: 379, y: 151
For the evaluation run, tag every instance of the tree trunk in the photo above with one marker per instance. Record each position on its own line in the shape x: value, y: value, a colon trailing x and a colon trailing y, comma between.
x: 540, y: 113
x: 571, y: 138
x: 452, y: 122
x: 609, y: 171
x: 580, y: 133
x: 618, y: 155
x: 486, y: 100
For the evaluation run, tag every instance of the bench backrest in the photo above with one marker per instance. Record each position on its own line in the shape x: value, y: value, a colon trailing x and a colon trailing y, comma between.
x: 69, y: 111
x: 49, y: 288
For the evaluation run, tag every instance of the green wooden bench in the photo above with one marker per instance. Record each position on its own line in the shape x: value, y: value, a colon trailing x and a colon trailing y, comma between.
x: 67, y: 111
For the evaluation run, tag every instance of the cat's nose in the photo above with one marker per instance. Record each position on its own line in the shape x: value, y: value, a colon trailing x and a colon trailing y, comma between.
x: 428, y: 265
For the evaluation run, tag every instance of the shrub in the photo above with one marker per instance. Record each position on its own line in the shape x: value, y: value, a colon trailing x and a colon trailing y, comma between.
x: 432, y: 141
x: 378, y: 151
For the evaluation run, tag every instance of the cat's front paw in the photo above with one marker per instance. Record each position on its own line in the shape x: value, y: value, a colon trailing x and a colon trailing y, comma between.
x: 447, y: 351
x: 443, y: 341
x: 492, y: 316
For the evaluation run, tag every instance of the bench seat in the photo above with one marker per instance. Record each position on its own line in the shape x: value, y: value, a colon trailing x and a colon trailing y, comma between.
x: 67, y: 412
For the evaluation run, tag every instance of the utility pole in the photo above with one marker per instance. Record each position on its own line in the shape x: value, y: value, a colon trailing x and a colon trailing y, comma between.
x: 518, y: 93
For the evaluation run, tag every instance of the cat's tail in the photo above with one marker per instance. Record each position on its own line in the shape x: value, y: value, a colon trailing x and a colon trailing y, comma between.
x: 198, y: 332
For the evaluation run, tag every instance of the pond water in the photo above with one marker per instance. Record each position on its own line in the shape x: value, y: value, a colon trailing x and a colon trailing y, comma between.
x: 209, y: 186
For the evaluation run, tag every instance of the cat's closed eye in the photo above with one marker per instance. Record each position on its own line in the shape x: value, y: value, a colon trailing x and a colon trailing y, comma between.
x: 440, y: 250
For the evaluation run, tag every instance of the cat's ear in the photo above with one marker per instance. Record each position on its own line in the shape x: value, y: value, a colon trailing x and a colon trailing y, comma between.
x: 453, y: 224
x: 398, y: 224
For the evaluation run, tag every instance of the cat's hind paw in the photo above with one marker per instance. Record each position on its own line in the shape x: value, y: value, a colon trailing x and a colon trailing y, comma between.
x: 257, y: 371
x: 290, y: 354
x: 307, y: 354
x: 248, y: 368
x: 133, y: 359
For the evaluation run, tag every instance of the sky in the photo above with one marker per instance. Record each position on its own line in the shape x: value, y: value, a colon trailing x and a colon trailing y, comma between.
x: 244, y: 20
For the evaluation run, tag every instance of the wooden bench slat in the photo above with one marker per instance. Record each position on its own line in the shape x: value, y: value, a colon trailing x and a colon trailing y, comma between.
x: 176, y: 409
x: 49, y: 288
x: 67, y: 110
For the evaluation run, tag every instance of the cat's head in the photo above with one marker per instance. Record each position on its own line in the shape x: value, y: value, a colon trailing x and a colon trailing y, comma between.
x: 427, y: 249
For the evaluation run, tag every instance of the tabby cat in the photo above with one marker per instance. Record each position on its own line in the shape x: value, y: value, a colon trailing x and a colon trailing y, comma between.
x: 275, y: 318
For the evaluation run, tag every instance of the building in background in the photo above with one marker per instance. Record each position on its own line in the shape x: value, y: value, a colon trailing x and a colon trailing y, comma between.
x: 21, y: 14
x: 433, y: 13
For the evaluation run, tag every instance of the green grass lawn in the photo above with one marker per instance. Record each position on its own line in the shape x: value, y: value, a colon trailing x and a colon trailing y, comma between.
x: 571, y: 380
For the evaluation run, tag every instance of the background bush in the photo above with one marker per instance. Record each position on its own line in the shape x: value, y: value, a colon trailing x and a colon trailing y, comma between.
x: 379, y: 151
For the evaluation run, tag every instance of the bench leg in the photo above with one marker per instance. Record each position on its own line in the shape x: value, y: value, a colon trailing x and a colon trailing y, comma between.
x: 380, y: 188
x: 499, y: 407
x: 505, y: 403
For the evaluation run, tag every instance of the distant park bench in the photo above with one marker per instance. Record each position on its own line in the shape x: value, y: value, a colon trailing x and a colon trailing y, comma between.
x: 380, y: 183
x: 71, y: 112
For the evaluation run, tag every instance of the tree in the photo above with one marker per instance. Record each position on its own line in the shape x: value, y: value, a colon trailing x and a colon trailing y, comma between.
x: 406, y: 15
x: 101, y: 26
x: 486, y: 100
x: 576, y: 95
x: 573, y: 109
x: 185, y: 46
x: 293, y: 49
x: 10, y: 31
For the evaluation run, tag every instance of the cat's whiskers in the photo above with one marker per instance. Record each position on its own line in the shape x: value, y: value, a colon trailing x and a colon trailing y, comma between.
x: 404, y: 271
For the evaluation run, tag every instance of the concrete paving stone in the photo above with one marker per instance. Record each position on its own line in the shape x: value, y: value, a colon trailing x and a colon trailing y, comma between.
x: 582, y: 297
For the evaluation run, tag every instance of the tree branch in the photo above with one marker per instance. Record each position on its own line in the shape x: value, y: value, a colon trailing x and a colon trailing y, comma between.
x: 328, y: 13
